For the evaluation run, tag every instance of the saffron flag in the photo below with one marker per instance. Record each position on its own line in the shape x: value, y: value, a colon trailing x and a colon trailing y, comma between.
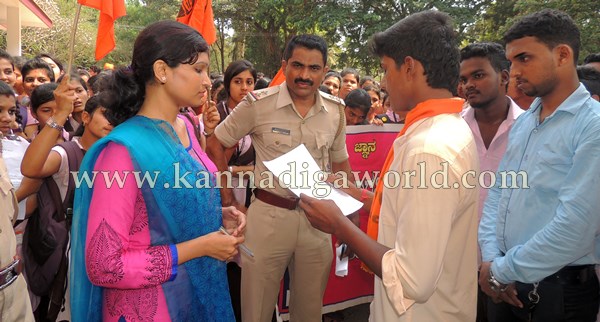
x: 198, y: 14
x: 110, y: 10
x: 278, y: 79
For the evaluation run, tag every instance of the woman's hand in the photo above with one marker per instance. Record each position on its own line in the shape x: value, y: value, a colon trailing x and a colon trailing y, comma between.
x: 220, y: 246
x: 234, y: 221
x: 211, y: 117
x: 64, y: 95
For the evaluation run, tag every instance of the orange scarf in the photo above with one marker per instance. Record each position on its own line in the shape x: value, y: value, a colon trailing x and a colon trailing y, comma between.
x: 423, y: 110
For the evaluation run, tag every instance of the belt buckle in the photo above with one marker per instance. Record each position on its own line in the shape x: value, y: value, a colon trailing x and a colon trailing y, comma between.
x: 8, y: 275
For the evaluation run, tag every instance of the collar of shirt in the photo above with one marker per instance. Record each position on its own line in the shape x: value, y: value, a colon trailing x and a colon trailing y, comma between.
x: 284, y: 99
x: 570, y: 105
x: 514, y: 111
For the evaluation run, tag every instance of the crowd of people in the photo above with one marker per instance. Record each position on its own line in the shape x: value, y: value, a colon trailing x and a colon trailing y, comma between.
x: 111, y: 207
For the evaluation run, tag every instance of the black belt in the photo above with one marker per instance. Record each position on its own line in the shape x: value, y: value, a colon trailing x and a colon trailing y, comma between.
x: 572, y: 275
x: 272, y: 199
x: 9, y: 274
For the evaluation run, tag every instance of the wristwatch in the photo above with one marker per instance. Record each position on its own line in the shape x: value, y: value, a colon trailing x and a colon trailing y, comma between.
x: 495, y: 285
x: 51, y: 123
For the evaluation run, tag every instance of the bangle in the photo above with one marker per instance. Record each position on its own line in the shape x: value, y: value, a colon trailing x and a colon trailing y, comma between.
x: 363, y: 195
x: 51, y: 123
x: 206, y: 134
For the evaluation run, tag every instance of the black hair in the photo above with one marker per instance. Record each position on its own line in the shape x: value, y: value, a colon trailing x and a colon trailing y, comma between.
x: 234, y: 69
x: 5, y: 55
x: 358, y: 98
x: 74, y: 77
x: 429, y: 38
x: 492, y: 51
x: 335, y: 74
x: 306, y: 41
x: 373, y: 88
x: 95, y: 69
x: 351, y: 71
x: 364, y: 79
x: 6, y: 90
x: 549, y: 26
x: 169, y: 41
x: 217, y: 82
x: 262, y: 83
x: 592, y: 58
x: 19, y: 61
x: 82, y: 72
x: 99, y: 82
x: 90, y: 107
x: 324, y: 89
x: 37, y: 63
x: 590, y: 78
x: 56, y: 61
x: 42, y: 94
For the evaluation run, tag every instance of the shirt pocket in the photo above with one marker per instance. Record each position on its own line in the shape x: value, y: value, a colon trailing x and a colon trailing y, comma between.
x: 551, y: 169
x: 320, y: 150
x: 277, y: 142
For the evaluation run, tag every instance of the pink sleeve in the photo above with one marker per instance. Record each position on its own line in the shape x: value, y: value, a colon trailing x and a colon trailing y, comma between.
x: 118, y: 251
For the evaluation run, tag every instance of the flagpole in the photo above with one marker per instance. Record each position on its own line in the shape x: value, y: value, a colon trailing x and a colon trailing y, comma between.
x: 72, y: 43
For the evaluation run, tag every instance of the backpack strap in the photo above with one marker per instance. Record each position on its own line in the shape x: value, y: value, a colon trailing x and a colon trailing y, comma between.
x: 74, y: 156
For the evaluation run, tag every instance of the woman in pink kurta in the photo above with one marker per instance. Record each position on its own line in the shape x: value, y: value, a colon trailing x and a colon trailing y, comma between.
x: 147, y: 231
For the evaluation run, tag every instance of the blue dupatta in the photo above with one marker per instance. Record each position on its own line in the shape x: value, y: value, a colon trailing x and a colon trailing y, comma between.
x: 200, y: 290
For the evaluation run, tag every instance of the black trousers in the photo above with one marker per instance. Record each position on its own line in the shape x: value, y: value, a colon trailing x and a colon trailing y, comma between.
x: 559, y: 302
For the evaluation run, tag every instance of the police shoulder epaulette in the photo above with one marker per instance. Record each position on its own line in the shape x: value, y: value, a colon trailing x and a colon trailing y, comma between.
x: 262, y: 93
x: 332, y: 98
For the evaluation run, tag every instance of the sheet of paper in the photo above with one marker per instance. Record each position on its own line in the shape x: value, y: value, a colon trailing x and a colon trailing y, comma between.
x: 341, y: 265
x: 299, y: 172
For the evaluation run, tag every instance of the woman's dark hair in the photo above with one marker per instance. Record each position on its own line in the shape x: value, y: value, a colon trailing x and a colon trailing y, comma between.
x: 234, y: 69
x: 56, y: 61
x: 6, y: 89
x: 42, y: 94
x: 350, y: 71
x: 19, y: 61
x: 358, y: 98
x: 333, y: 74
x: 82, y: 72
x: 169, y: 41
x: 373, y: 88
x: 5, y: 55
x: 34, y: 64
x: 262, y: 83
x: 74, y: 77
x: 99, y: 82
x: 90, y: 107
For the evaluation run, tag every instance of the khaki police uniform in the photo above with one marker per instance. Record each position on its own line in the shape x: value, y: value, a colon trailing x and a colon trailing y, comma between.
x: 14, y: 299
x: 280, y: 237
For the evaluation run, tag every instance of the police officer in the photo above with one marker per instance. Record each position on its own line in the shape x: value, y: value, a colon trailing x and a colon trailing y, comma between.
x: 279, y: 119
x: 14, y: 299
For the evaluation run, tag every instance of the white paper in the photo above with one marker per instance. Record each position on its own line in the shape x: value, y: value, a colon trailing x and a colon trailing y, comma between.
x: 341, y: 265
x: 299, y: 172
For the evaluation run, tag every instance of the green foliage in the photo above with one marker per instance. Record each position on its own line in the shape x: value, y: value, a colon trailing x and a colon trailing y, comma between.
x: 258, y: 30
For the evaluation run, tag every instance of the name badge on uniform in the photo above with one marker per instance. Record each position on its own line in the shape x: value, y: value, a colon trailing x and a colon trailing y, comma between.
x: 280, y: 131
